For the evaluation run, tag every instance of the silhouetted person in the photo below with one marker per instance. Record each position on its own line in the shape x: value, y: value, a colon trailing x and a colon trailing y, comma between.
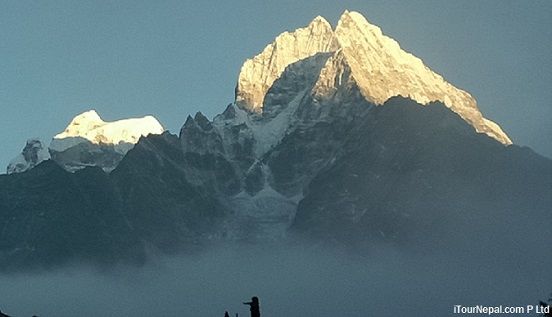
x: 226, y: 314
x: 254, y: 307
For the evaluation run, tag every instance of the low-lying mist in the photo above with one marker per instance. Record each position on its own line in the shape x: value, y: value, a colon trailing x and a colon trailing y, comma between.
x: 289, y: 280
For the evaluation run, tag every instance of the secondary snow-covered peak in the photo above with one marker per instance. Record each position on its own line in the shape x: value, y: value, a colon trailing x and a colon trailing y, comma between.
x: 89, y: 126
x: 33, y: 153
x: 259, y: 73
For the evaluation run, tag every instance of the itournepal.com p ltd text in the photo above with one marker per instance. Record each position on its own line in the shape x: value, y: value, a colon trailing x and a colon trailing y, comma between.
x: 501, y: 309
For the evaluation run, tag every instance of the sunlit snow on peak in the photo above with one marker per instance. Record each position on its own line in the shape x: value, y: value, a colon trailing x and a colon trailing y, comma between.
x: 90, y: 126
x: 380, y: 67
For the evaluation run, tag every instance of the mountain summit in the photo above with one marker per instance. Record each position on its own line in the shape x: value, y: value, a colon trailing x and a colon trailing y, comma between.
x: 361, y: 52
x: 259, y: 73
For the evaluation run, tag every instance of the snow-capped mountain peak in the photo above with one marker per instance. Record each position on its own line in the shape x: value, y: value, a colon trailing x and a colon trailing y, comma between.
x: 373, y: 61
x: 87, y: 141
x: 90, y: 141
x: 89, y: 126
x: 259, y: 73
x: 383, y: 69
x: 82, y: 124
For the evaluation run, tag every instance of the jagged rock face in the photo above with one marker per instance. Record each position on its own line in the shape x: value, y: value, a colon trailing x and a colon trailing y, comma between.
x: 323, y: 113
x: 198, y: 136
x: 88, y: 154
x: 377, y: 64
x: 90, y: 141
x: 295, y: 80
x: 258, y: 74
x: 33, y: 153
x: 165, y: 197
x: 217, y: 153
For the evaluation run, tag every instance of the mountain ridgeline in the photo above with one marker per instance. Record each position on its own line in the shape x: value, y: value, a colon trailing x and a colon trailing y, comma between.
x: 336, y: 136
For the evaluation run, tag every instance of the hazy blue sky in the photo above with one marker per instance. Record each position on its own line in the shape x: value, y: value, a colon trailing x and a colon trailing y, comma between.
x: 173, y: 58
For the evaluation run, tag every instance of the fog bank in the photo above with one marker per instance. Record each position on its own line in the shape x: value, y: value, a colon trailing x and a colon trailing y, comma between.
x: 290, y: 281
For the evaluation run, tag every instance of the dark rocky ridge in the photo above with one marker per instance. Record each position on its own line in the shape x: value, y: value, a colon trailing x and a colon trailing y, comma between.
x: 424, y: 178
x: 398, y: 173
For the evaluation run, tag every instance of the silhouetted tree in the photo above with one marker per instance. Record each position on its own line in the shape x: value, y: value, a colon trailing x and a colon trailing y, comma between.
x: 3, y: 315
x: 549, y: 305
x: 254, y: 307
